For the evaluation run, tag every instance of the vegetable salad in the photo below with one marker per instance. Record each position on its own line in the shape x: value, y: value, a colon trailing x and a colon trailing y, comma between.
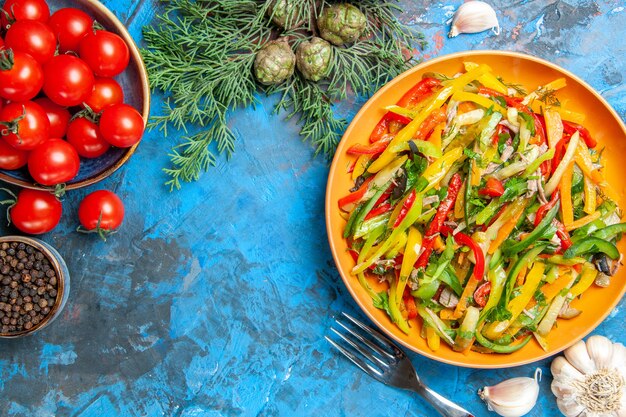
x: 484, y: 208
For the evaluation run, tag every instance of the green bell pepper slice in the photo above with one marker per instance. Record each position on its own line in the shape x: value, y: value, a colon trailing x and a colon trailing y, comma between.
x: 592, y: 244
x: 510, y: 247
x: 610, y: 232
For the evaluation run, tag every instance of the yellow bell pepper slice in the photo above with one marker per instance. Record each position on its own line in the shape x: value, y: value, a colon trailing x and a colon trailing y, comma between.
x: 411, y: 252
x: 554, y: 127
x: 516, y: 306
x: 472, y: 75
x: 459, y: 204
x: 432, y: 339
x: 583, y: 221
x: 551, y: 86
x: 396, y: 315
x: 360, y: 165
x: 435, y: 137
x: 590, y: 195
x: 587, y: 277
x: 488, y: 79
x: 462, y: 96
x: 569, y: 115
x: 567, y: 208
x: 436, y: 171
x: 584, y: 162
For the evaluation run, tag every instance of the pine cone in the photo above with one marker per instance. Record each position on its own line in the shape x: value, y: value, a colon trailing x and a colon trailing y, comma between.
x: 283, y: 13
x: 274, y: 63
x: 313, y: 58
x: 341, y: 23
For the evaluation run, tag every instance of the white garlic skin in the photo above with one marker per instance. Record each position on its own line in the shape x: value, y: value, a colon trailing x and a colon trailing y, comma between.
x: 474, y: 17
x: 514, y: 397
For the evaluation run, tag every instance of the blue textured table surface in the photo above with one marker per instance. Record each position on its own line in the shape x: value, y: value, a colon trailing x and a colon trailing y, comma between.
x: 214, y: 300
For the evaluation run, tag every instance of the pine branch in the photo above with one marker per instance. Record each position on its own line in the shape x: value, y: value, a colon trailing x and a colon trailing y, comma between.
x: 201, y: 53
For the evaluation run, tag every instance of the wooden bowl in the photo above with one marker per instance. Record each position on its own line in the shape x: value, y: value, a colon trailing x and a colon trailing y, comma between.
x: 63, y: 282
x: 134, y: 82
x: 603, y: 123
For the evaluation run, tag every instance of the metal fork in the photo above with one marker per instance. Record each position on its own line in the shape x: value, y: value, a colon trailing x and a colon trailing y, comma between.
x: 385, y: 362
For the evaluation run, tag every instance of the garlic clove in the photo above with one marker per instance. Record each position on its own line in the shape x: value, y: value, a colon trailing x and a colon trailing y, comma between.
x: 578, y: 356
x: 618, y: 357
x: 600, y: 351
x: 570, y: 408
x: 474, y: 17
x: 514, y: 397
x: 564, y: 377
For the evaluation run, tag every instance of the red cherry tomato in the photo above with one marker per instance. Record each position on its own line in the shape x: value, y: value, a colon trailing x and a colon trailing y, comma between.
x: 70, y: 25
x: 101, y: 210
x: 24, y: 10
x: 25, y: 125
x: 53, y: 162
x: 32, y: 37
x: 59, y: 116
x: 121, y: 125
x: 68, y: 81
x: 35, y: 211
x: 85, y: 137
x: 105, y: 53
x: 106, y: 91
x: 22, y: 79
x: 11, y: 158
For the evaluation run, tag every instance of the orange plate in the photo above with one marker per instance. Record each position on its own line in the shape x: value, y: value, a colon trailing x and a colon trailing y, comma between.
x: 601, y: 120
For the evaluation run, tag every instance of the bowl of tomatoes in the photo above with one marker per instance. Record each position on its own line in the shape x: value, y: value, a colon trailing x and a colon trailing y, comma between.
x: 74, y: 93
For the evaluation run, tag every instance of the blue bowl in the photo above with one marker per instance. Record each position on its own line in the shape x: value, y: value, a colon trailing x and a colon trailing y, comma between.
x: 134, y: 82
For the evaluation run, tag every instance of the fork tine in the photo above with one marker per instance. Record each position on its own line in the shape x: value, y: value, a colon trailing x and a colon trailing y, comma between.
x: 369, y: 355
x: 375, y: 334
x: 364, y: 366
x: 367, y: 342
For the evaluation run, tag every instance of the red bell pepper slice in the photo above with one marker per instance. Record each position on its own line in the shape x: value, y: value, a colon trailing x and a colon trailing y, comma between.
x: 479, y: 256
x: 570, y: 128
x: 435, y: 225
x: 355, y: 196
x: 541, y: 211
x: 408, y: 203
x: 559, y: 151
x: 493, y: 188
x: 382, y: 128
x: 428, y: 125
x: 481, y: 293
x: 372, y: 149
x: 500, y: 129
x: 383, y: 208
x: 510, y: 101
x: 419, y: 92
x: 563, y: 235
x: 411, y: 308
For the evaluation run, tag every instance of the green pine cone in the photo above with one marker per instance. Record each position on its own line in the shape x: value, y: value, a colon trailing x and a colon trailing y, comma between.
x: 283, y: 13
x: 313, y: 58
x: 341, y: 23
x: 274, y: 63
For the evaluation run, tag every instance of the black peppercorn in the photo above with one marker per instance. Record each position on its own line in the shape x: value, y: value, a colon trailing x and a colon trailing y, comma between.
x: 28, y: 287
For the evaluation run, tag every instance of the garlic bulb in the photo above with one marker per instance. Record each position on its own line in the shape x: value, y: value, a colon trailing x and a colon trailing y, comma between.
x: 474, y: 17
x: 513, y: 397
x: 590, y: 380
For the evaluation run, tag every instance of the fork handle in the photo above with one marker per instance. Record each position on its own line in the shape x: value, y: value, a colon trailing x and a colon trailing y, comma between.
x: 444, y: 406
